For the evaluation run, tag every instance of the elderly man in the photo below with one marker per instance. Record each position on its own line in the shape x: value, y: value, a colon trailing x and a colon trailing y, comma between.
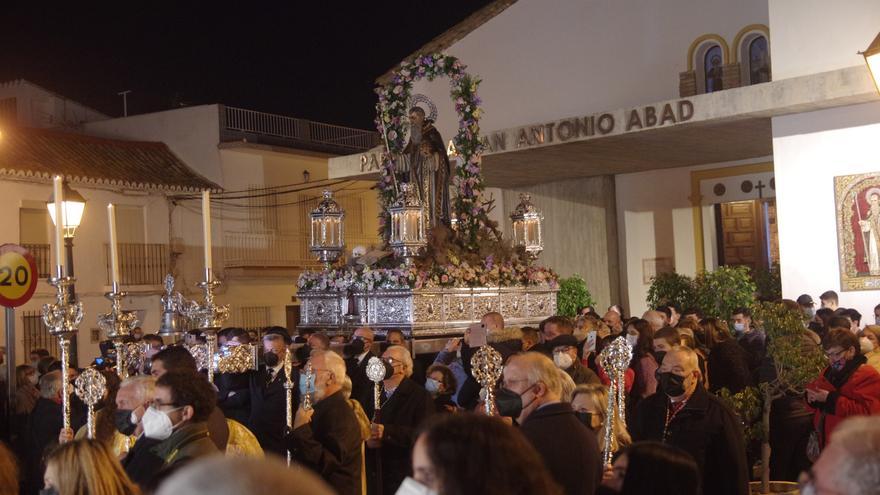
x: 657, y: 319
x: 850, y: 463
x: 565, y: 356
x: 682, y: 413
x: 405, y: 405
x: 532, y: 394
x: 327, y: 437
x: 358, y: 353
x: 134, y: 397
x: 613, y: 319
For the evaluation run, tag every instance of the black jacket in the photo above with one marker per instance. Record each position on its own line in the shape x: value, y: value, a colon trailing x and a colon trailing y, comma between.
x: 141, y: 464
x: 361, y: 386
x: 707, y: 430
x: 401, y: 414
x: 570, y: 450
x: 268, y: 418
x: 728, y: 366
x: 234, y: 395
x: 331, y: 444
x: 43, y: 425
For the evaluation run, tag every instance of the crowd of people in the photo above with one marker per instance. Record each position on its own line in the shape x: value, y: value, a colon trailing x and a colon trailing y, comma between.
x: 424, y: 428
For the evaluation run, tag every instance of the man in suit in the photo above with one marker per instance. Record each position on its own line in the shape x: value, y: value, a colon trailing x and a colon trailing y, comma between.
x: 268, y: 396
x: 405, y: 405
x: 359, y: 351
x: 569, y: 450
x: 326, y: 438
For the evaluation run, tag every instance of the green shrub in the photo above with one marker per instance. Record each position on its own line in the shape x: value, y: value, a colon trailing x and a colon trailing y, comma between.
x: 573, y: 294
x: 720, y: 292
x: 671, y: 288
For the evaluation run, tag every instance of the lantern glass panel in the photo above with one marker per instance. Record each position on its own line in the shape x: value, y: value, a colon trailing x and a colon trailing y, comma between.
x: 531, y: 231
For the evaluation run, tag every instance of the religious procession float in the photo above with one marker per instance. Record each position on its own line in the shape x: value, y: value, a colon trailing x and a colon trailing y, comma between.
x: 444, y: 263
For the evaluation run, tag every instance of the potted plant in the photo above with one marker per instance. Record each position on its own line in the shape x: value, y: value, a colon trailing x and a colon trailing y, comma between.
x: 719, y: 292
x: 573, y: 294
x: 796, y: 360
x: 671, y: 288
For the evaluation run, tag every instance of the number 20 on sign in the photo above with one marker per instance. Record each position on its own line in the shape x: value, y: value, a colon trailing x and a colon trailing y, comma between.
x: 18, y: 275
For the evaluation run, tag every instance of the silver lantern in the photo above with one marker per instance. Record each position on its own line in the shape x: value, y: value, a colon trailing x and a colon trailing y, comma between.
x: 408, y: 235
x: 327, y: 233
x: 527, y: 226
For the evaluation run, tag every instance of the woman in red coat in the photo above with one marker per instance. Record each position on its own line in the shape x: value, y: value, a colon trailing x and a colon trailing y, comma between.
x: 847, y: 387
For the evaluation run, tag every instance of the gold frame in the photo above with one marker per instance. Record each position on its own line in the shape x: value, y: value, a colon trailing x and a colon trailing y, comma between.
x: 844, y: 187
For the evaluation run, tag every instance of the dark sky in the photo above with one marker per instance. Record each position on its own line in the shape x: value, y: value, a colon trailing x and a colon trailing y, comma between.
x: 314, y: 60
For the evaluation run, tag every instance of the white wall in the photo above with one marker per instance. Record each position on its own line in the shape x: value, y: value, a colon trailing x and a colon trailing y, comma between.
x: 810, y: 149
x: 192, y: 133
x: 811, y: 36
x: 541, y: 61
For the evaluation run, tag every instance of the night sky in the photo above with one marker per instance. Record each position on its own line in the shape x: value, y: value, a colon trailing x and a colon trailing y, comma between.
x: 313, y: 60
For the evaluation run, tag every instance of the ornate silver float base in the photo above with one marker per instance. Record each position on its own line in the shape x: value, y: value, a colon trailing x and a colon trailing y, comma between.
x: 425, y: 313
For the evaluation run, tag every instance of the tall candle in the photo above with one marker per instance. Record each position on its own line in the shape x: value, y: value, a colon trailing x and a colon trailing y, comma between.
x: 206, y: 226
x: 114, y: 254
x: 58, y: 196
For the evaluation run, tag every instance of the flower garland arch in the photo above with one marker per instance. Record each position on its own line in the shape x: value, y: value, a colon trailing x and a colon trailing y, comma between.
x: 468, y: 204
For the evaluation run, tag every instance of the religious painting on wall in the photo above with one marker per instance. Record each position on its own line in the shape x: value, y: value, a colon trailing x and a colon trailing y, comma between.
x: 857, y: 199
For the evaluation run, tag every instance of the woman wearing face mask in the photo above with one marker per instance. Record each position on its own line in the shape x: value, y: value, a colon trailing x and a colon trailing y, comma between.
x: 870, y: 343
x: 441, y: 384
x: 728, y: 363
x: 85, y: 467
x: 847, y: 387
x: 639, y: 335
x: 590, y: 403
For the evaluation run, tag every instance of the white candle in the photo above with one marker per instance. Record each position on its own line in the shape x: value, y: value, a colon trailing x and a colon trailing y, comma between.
x: 59, y: 222
x: 114, y: 254
x: 206, y: 226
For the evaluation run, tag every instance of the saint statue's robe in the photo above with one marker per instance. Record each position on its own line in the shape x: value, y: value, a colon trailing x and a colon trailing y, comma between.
x: 427, y: 168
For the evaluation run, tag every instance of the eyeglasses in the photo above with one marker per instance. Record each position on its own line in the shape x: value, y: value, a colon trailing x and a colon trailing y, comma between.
x: 834, y: 355
x: 157, y: 404
x: 508, y: 383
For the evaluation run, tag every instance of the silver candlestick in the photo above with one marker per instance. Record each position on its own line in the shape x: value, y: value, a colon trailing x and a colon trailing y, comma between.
x: 118, y: 325
x: 288, y: 391
x: 62, y: 319
x: 208, y: 316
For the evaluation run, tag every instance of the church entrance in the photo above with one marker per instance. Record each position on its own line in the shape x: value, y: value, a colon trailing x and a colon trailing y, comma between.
x: 747, y: 233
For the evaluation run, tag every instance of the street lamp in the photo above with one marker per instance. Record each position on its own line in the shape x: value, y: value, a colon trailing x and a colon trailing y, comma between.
x: 872, y: 58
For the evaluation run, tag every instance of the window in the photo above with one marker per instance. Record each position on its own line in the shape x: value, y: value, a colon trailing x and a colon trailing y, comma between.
x: 712, y: 62
x: 33, y: 234
x: 759, y: 61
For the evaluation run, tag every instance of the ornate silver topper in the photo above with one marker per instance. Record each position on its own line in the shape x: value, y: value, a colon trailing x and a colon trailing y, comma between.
x: 486, y: 366
x: 615, y: 359
x: 90, y: 387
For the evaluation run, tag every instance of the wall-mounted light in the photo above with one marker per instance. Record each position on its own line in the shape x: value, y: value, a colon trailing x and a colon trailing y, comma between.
x: 872, y: 58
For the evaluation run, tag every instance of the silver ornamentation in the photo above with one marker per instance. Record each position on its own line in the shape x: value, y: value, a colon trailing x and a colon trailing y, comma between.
x: 63, y: 318
x: 118, y: 325
x: 288, y: 390
x: 615, y: 359
x: 90, y: 387
x: 208, y: 317
x: 486, y: 366
x: 307, y: 396
x: 376, y: 373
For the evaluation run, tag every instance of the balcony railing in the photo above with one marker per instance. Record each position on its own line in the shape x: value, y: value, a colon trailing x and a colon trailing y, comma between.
x: 270, y: 250
x: 140, y: 264
x: 43, y: 256
x: 268, y: 128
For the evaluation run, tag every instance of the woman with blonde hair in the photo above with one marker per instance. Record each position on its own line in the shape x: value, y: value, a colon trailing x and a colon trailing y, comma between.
x: 86, y: 467
x: 872, y: 334
x: 590, y: 404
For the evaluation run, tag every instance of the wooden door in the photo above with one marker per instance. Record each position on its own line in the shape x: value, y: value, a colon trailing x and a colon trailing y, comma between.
x: 741, y: 233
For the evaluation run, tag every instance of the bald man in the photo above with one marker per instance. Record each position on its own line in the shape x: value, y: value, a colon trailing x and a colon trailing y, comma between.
x: 684, y: 414
x: 657, y: 319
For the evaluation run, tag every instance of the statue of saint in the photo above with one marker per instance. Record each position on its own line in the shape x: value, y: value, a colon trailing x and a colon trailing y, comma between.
x: 428, y: 167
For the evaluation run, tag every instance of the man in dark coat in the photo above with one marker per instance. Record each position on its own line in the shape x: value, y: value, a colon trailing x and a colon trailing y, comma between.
x: 507, y: 341
x: 565, y: 356
x: 683, y: 414
x: 269, y: 398
x: 135, y: 395
x: 327, y: 437
x: 569, y: 449
x: 405, y: 405
x: 358, y: 353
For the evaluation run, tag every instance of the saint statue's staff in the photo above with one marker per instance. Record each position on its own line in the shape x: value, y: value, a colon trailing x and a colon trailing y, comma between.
x: 864, y: 234
x: 390, y: 154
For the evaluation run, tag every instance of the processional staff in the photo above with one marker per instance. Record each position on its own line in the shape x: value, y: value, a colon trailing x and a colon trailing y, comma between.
x: 90, y: 387
x: 615, y: 359
x: 487, y: 366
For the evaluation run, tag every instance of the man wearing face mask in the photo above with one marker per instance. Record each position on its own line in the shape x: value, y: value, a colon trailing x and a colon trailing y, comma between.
x: 134, y: 397
x: 682, y: 413
x: 751, y: 339
x: 565, y: 357
x: 404, y: 406
x: 268, y: 396
x: 532, y: 395
x: 327, y: 438
x: 177, y: 418
x: 805, y: 301
x: 358, y: 353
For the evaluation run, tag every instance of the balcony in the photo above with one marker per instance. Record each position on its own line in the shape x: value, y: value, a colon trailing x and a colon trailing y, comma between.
x: 140, y: 264
x: 279, y: 251
x: 239, y: 124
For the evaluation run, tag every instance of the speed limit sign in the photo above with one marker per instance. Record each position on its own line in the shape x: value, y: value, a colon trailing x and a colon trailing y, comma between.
x: 18, y: 275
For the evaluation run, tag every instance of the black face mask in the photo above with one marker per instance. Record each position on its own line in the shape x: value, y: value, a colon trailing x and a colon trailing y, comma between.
x: 585, y: 417
x: 509, y: 403
x: 354, y: 348
x: 671, y: 384
x: 303, y: 353
x: 123, y: 421
x: 271, y: 359
x: 49, y: 491
x: 389, y: 369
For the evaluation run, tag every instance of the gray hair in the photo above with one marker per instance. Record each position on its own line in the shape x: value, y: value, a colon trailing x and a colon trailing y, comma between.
x: 406, y: 357
x: 144, y: 387
x: 220, y: 475
x: 50, y: 385
x: 540, y: 368
x: 334, y: 363
x: 858, y: 470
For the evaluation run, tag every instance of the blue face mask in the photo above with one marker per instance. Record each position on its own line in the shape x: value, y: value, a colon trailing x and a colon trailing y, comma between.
x: 303, y: 389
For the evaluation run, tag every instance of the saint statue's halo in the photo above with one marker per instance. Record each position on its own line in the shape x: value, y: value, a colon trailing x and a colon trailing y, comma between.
x: 874, y: 191
x: 419, y: 100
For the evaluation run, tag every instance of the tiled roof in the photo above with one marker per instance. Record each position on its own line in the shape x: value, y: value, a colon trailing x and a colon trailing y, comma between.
x: 41, y: 153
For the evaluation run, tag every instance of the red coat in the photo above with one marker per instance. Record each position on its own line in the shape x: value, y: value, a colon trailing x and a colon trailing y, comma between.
x: 859, y: 395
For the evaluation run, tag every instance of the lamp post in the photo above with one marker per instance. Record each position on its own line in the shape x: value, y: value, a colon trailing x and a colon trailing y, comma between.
x: 872, y: 58
x: 327, y: 240
x: 527, y: 226
x: 72, y: 206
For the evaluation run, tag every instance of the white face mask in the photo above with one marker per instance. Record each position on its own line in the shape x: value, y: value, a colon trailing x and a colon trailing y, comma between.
x: 632, y: 340
x: 563, y: 360
x: 866, y: 345
x: 413, y: 487
x: 739, y: 327
x: 432, y: 386
x: 157, y: 425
